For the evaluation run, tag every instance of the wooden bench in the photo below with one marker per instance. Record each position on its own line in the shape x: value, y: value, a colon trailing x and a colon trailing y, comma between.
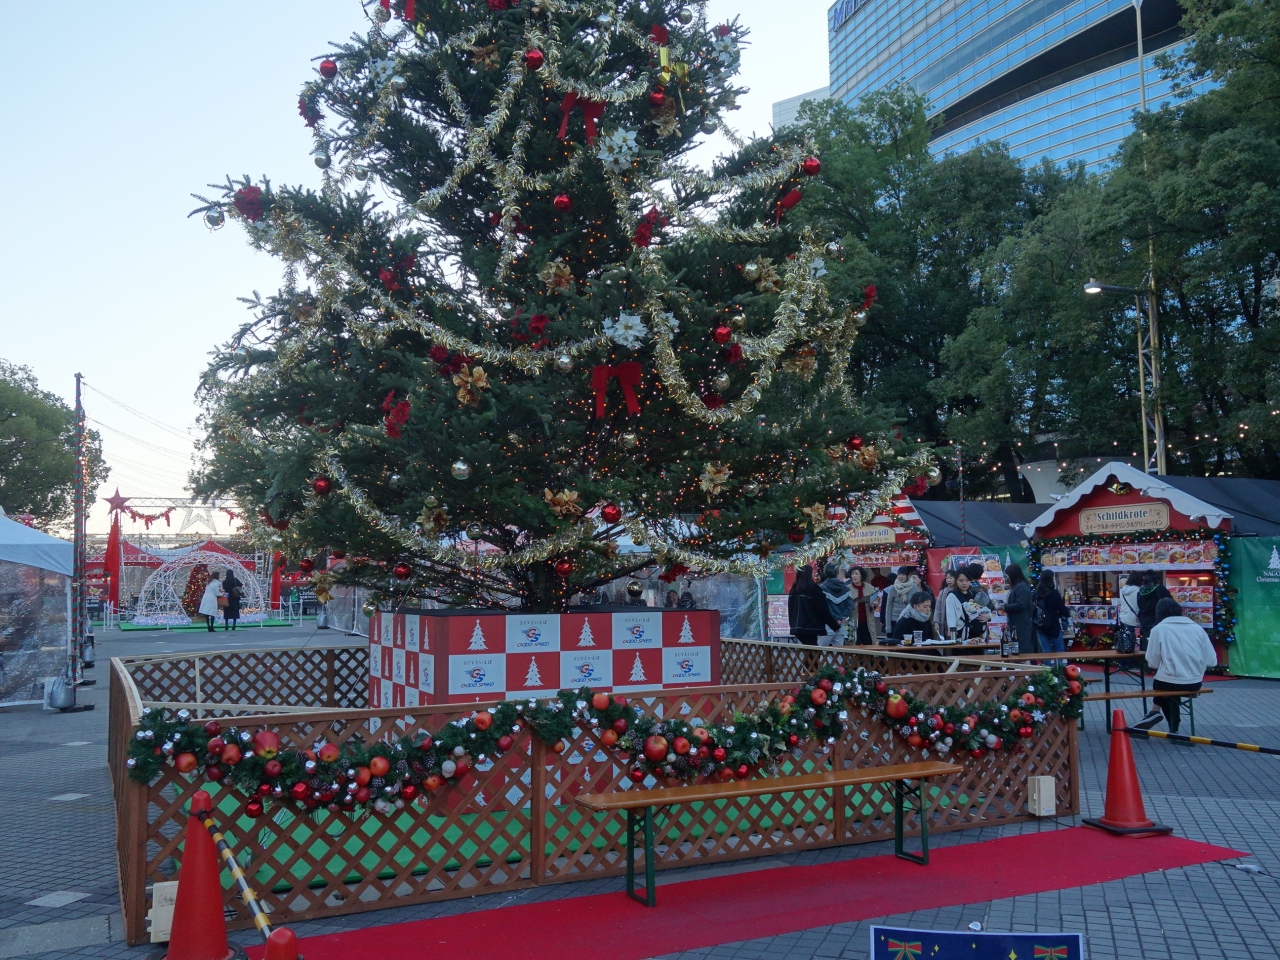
x: 633, y: 801
x: 1153, y: 694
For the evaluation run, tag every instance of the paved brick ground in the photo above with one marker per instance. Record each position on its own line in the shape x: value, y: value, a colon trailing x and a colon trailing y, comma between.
x: 1215, y: 910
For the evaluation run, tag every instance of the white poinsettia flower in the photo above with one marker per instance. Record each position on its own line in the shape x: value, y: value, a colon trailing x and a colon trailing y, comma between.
x: 627, y: 331
x: 618, y: 149
x: 672, y: 321
x: 819, y: 267
x: 726, y: 49
x: 382, y: 70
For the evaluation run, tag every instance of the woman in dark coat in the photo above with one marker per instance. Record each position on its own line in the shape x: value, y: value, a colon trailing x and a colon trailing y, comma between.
x: 807, y: 609
x: 1150, y: 593
x: 231, y: 612
x: 1018, y: 609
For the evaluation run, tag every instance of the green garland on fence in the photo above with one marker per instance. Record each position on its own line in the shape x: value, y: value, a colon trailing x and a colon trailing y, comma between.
x: 388, y: 774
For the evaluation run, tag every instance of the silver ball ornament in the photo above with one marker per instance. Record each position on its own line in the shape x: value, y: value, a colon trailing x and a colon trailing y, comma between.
x: 214, y: 218
x: 361, y: 173
x: 720, y: 382
x: 833, y: 249
x: 630, y: 439
x: 564, y: 363
x: 685, y: 16
x: 474, y: 531
x: 708, y: 126
x: 398, y: 83
x: 461, y: 470
x: 323, y: 161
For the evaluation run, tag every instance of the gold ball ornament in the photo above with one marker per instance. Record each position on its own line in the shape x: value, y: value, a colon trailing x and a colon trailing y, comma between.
x: 933, y: 476
x: 461, y: 470
x: 751, y: 271
x: 370, y: 607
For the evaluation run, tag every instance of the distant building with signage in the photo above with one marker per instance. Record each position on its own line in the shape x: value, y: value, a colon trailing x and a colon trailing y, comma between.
x: 1050, y: 78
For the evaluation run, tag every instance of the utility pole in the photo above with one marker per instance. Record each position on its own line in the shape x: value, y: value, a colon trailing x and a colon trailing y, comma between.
x: 78, y: 543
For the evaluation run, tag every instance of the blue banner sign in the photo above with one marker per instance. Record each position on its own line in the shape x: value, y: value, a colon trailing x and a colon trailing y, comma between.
x: 839, y: 14
x: 895, y: 943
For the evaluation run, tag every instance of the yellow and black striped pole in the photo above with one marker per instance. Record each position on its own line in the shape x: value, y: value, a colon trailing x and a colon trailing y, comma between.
x: 1203, y: 741
x: 247, y: 893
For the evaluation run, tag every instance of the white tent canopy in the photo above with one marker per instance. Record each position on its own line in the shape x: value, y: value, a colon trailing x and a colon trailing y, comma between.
x: 21, y: 544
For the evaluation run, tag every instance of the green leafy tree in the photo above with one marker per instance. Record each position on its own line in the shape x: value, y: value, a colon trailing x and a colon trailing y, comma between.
x: 923, y: 229
x: 37, y: 450
x: 557, y: 336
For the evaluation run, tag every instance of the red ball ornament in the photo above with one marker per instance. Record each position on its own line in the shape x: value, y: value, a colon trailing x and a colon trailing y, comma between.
x: 854, y: 443
x: 562, y: 202
x: 793, y: 739
x: 213, y: 772
x: 534, y: 59
x: 253, y: 809
x: 402, y: 571
x: 299, y: 791
x: 264, y: 789
x: 408, y: 792
x: 796, y: 535
x: 306, y: 564
x: 722, y: 334
x: 718, y: 754
x: 811, y: 166
x: 656, y: 99
x: 563, y: 568
x: 213, y: 728
x: 328, y: 69
x: 611, y: 513
x: 743, y: 772
x: 323, y: 486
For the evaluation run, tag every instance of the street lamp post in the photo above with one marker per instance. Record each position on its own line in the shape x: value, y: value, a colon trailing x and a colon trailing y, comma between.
x: 1148, y: 371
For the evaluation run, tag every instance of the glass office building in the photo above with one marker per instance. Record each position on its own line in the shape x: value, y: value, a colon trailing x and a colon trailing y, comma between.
x: 1050, y: 78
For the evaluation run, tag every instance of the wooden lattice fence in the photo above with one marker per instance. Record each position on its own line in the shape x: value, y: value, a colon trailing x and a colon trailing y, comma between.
x: 514, y: 823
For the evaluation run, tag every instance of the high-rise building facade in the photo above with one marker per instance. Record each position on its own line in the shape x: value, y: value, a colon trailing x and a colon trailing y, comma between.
x: 1050, y: 78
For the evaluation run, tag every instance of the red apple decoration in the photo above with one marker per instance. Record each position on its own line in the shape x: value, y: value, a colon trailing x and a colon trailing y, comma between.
x: 185, y: 762
x: 363, y: 776
x: 655, y: 749
x: 506, y: 742
x: 826, y: 684
x: 881, y: 687
x: 215, y: 745
x: 272, y: 768
x: 1073, y: 687
x: 362, y: 795
x: 680, y: 745
x: 433, y: 782
x: 718, y: 754
x: 213, y: 728
x: 379, y: 766
x: 214, y: 772
x: 896, y: 707
x: 915, y: 740
x: 818, y: 696
x: 620, y: 725
x: 701, y: 735
x: 231, y: 755
x: 608, y: 738
x: 600, y: 701
x: 266, y: 744
x: 328, y: 753
x: 1072, y: 671
x: 483, y: 720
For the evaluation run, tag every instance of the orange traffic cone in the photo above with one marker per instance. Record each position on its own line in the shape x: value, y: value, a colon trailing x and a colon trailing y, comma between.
x: 282, y: 945
x: 199, y: 931
x: 1124, y: 812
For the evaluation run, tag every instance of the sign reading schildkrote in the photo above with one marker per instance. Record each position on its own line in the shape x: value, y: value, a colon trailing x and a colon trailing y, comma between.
x: 1129, y: 518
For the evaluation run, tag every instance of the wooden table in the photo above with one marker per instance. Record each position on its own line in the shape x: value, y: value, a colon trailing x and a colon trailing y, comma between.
x: 944, y: 649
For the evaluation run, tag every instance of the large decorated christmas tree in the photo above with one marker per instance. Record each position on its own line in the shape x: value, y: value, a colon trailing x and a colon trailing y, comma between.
x: 520, y: 330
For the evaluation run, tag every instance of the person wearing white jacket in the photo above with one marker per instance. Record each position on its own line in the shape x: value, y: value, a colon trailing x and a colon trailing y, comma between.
x: 209, y: 600
x: 1180, y: 652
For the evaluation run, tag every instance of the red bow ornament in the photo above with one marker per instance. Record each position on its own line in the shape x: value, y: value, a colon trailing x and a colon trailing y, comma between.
x: 592, y: 112
x: 627, y: 374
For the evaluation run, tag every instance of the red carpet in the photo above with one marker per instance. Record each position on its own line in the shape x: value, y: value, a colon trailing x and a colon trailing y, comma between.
x: 762, y: 903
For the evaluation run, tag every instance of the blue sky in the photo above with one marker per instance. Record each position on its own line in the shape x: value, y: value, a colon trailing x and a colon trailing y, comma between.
x: 113, y: 114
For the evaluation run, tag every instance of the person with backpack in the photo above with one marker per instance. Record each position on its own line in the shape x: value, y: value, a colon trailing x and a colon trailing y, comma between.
x: 1049, y: 612
x: 1127, y: 615
x: 839, y: 603
x: 807, y: 609
x: 1180, y: 652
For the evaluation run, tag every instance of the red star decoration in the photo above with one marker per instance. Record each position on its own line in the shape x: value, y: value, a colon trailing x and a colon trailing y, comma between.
x: 117, y: 502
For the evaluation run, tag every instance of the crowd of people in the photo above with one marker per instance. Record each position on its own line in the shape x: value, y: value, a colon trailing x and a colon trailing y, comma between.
x: 849, y: 605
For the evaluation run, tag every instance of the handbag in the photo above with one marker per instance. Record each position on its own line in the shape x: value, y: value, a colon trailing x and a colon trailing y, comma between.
x: 222, y: 602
